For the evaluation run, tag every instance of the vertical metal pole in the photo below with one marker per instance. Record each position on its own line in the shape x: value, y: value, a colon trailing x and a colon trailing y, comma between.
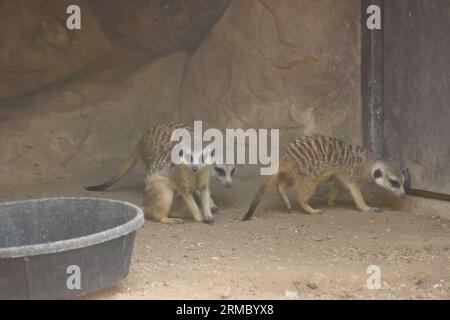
x: 372, y: 80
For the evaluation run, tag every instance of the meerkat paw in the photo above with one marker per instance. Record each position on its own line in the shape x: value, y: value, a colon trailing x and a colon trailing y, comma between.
x: 214, y: 209
x: 313, y: 211
x: 172, y: 220
x: 374, y: 210
x: 208, y: 220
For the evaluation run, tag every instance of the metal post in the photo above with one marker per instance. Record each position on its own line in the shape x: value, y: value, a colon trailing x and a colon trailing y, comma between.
x: 372, y: 80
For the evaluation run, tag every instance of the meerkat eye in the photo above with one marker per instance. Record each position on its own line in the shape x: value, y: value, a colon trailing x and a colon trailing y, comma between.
x: 220, y: 171
x: 180, y: 153
x: 378, y: 174
x: 394, y: 183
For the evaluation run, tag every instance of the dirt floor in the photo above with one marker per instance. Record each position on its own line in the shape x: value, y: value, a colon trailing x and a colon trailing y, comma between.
x: 279, y: 255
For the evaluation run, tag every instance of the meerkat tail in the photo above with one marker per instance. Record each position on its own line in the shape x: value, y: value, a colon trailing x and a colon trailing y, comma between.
x: 131, y: 161
x: 262, y: 190
x: 427, y: 194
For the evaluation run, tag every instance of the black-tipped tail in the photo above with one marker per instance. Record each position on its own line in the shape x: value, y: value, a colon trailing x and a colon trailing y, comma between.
x: 131, y: 161
x: 258, y: 197
x: 251, y: 210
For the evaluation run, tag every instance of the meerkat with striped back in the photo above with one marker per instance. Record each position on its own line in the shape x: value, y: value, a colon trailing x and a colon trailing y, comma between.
x: 312, y: 159
x: 164, y: 179
x: 150, y: 145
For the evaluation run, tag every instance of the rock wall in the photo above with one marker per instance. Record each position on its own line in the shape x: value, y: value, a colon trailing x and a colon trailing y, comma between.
x: 157, y: 27
x: 37, y: 50
x: 287, y: 64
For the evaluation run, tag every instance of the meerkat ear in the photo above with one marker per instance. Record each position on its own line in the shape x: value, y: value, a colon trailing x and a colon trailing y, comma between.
x: 378, y: 173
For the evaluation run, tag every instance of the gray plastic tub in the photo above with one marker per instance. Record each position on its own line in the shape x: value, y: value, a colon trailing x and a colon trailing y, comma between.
x: 64, y: 247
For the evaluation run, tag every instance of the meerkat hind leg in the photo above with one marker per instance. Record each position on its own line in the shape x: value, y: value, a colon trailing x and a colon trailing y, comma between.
x: 305, y: 194
x: 158, y: 200
x: 171, y: 220
x: 283, y: 195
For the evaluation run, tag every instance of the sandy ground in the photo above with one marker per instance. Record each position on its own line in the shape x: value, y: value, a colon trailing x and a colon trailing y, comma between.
x: 279, y: 255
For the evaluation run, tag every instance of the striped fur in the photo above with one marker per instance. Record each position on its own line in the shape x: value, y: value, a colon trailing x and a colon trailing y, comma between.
x: 164, y: 179
x: 154, y: 149
x: 155, y: 146
x: 312, y: 159
x: 319, y: 157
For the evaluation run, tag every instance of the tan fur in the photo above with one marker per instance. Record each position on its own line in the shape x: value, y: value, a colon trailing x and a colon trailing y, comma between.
x: 161, y: 186
x: 154, y: 142
x: 164, y: 179
x: 312, y: 159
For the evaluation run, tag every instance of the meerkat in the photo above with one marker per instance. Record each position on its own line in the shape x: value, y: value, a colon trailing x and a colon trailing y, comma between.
x: 144, y: 152
x: 164, y: 179
x: 313, y: 159
x: 224, y: 174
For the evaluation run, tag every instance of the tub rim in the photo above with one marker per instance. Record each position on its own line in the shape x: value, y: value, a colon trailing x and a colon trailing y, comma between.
x: 74, y: 243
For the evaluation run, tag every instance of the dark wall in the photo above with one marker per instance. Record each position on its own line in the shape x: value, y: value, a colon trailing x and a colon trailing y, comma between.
x: 417, y: 88
x: 37, y: 50
x: 157, y: 27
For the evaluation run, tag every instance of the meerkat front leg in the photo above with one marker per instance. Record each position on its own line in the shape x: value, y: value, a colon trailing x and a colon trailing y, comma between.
x: 359, y: 200
x: 206, y: 205
x: 213, y: 205
x: 193, y: 207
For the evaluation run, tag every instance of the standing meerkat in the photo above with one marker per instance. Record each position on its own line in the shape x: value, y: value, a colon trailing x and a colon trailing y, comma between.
x: 164, y: 179
x: 313, y: 159
x: 154, y: 142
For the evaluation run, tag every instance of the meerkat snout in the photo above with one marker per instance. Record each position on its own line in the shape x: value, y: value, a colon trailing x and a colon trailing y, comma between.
x: 224, y: 173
